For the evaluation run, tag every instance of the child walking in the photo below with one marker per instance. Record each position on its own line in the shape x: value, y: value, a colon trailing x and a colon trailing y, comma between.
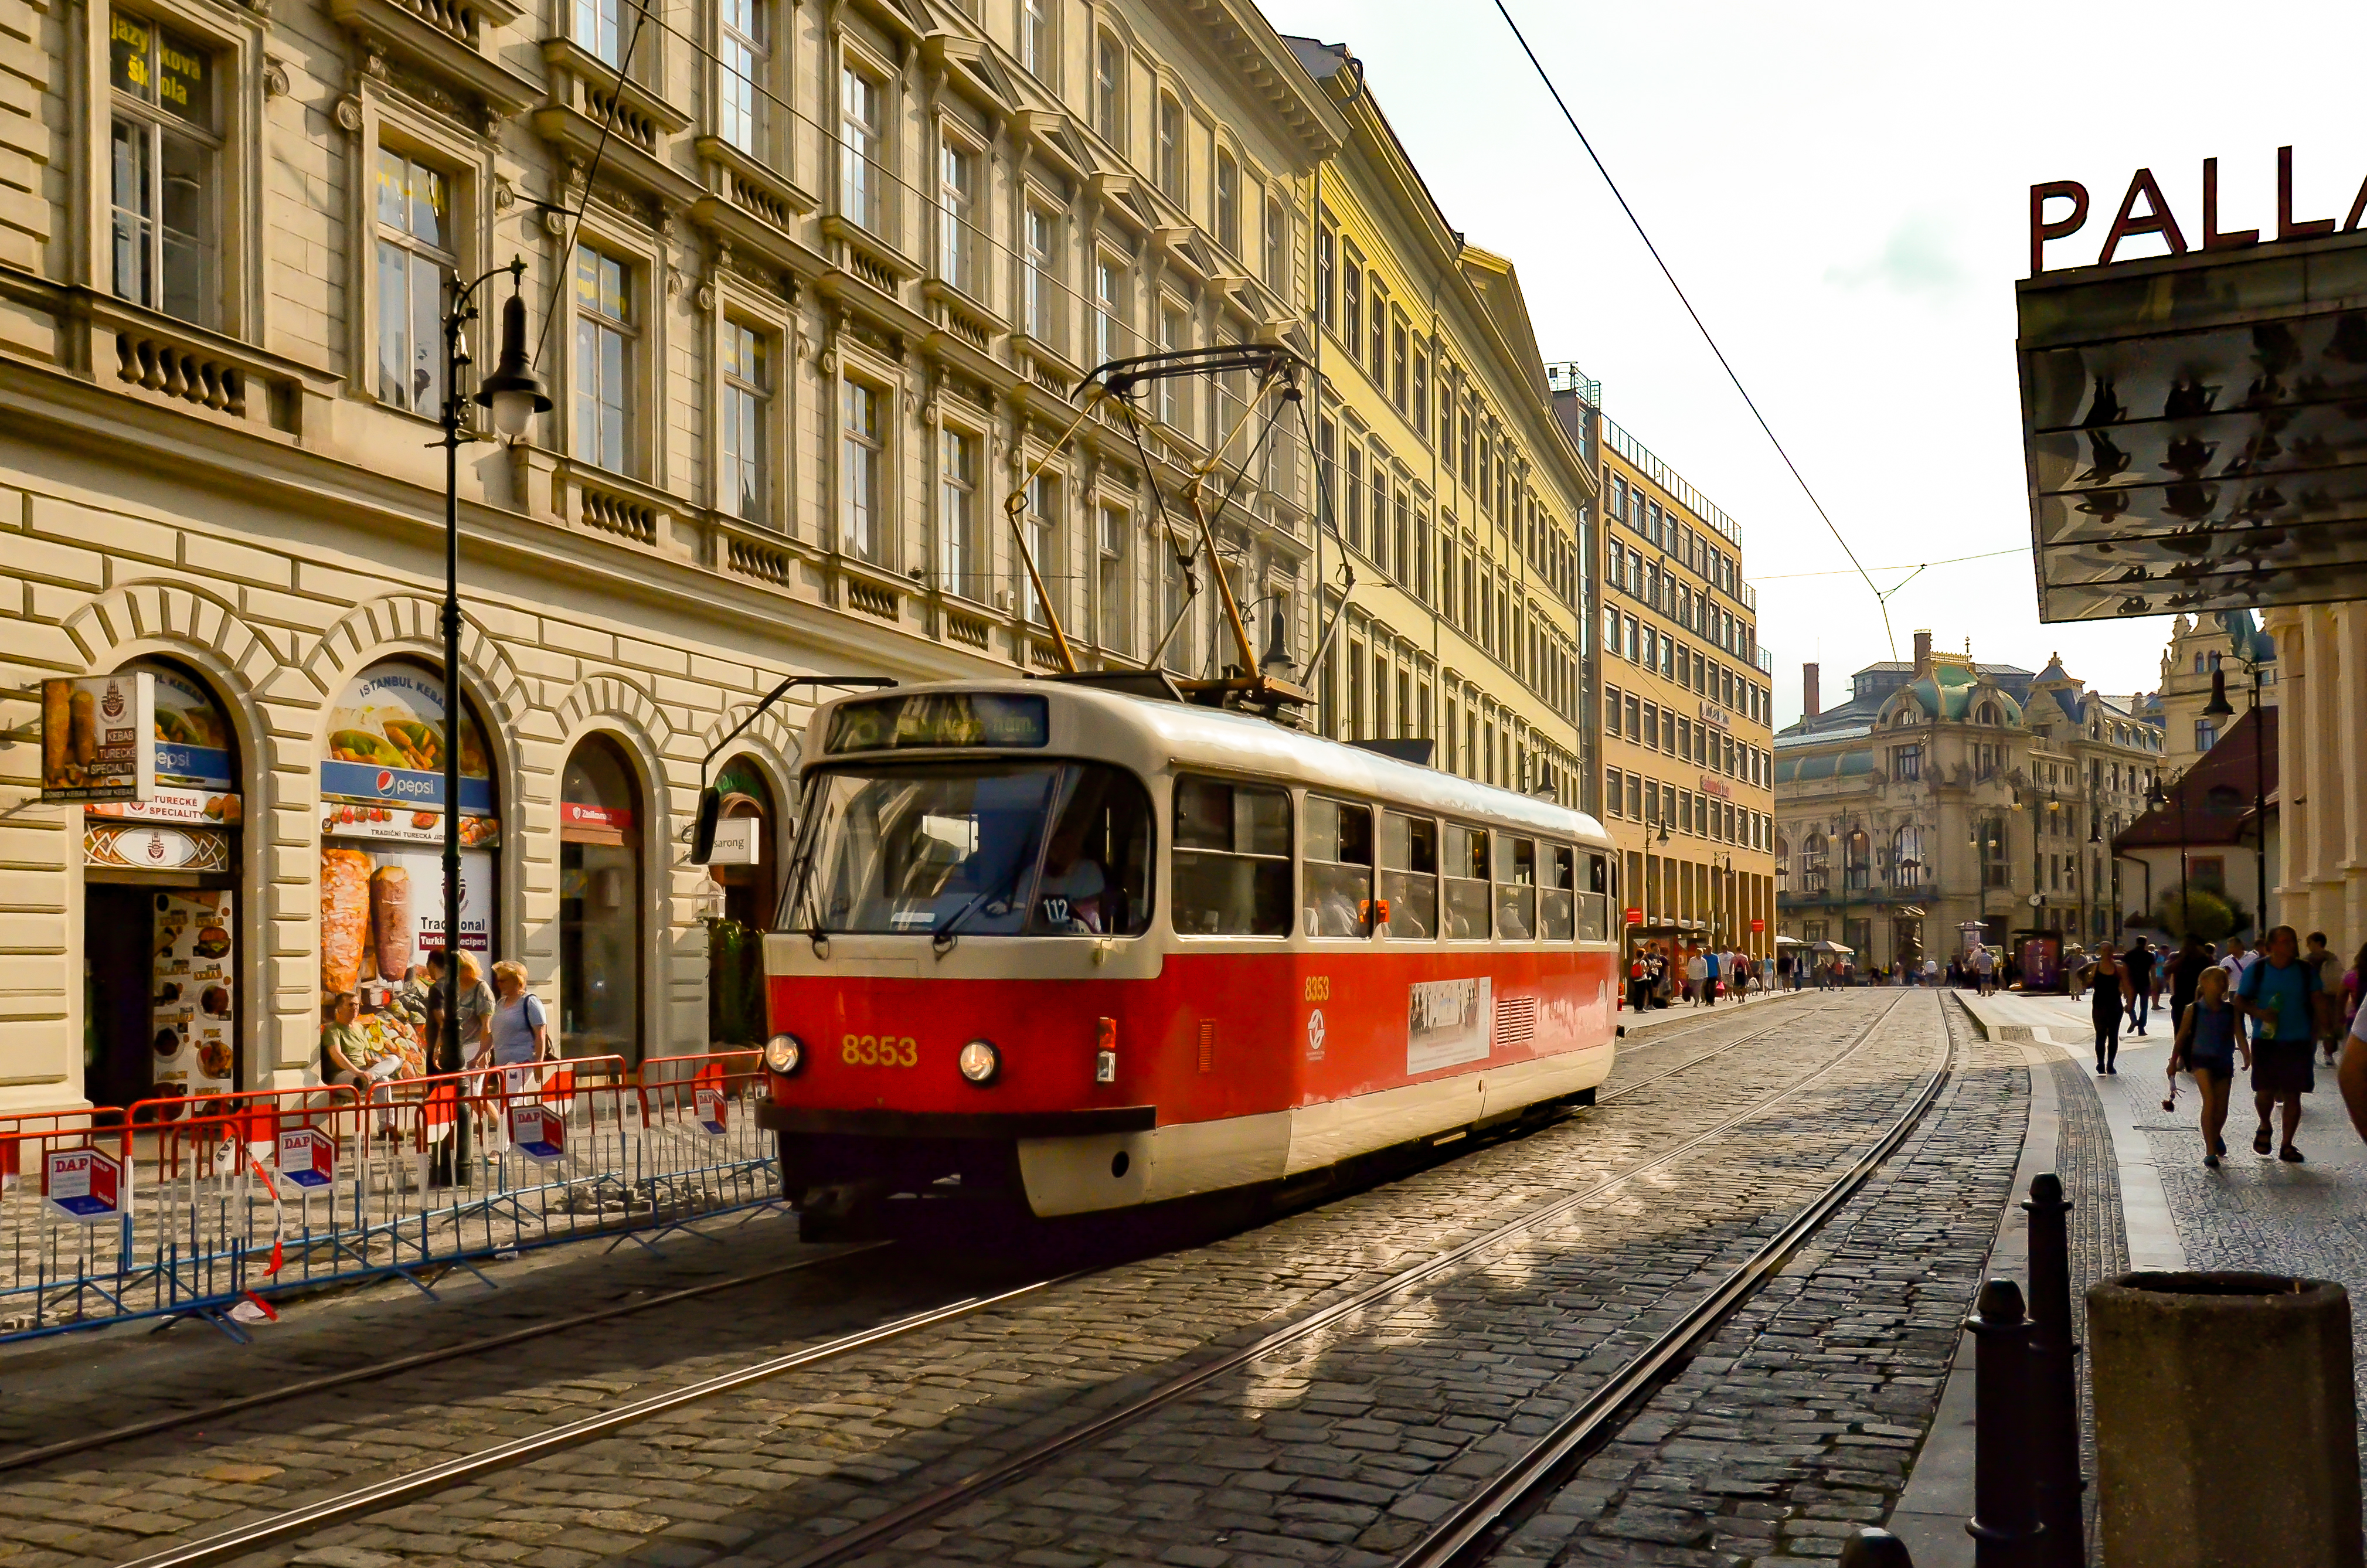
x: 2209, y: 1040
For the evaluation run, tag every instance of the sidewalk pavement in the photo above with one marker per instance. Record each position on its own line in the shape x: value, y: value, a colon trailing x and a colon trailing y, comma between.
x: 2254, y: 1213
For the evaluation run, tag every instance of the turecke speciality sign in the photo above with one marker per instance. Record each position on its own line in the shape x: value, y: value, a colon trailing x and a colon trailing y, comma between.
x: 2155, y: 217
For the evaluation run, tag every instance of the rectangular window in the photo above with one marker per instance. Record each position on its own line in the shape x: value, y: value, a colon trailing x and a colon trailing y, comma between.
x: 1041, y: 305
x: 1400, y: 362
x: 862, y: 180
x: 1516, y: 887
x: 415, y: 262
x: 1558, y: 893
x: 961, y: 246
x: 1277, y: 246
x: 166, y: 157
x: 1109, y: 90
x: 1338, y: 875
x: 1356, y: 497
x: 1376, y: 352
x: 739, y: 71
x: 1037, y: 49
x: 1635, y: 808
x: 1232, y: 859
x: 1228, y: 202
x: 1421, y: 394
x: 599, y: 27
x: 1613, y: 796
x: 1906, y: 762
x: 862, y: 442
x: 1109, y: 311
x: 1352, y: 297
x: 746, y: 391
x: 1467, y: 884
x: 1170, y: 147
x: 1174, y: 408
x: 1042, y: 513
x: 959, y: 556
x: 603, y: 360
x: 1116, y: 533
x: 1327, y: 240
x: 1409, y: 877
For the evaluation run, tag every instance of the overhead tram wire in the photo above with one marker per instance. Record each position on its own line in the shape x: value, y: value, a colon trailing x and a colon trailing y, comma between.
x: 1880, y: 598
x: 1903, y: 566
x: 591, y: 172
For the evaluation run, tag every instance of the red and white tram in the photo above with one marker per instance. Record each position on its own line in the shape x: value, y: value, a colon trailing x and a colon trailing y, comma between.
x: 1111, y: 951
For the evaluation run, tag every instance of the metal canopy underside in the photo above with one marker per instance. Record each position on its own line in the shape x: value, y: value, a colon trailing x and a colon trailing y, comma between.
x: 2195, y: 431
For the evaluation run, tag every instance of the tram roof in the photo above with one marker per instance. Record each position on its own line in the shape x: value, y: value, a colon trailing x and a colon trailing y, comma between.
x: 1191, y: 736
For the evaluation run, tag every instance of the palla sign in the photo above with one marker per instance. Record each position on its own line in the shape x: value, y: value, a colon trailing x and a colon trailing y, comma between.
x: 2060, y: 209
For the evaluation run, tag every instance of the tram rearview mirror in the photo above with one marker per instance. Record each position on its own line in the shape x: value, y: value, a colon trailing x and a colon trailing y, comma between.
x: 702, y: 837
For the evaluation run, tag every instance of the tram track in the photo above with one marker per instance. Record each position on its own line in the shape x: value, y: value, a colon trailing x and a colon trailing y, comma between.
x: 375, y: 1371
x: 363, y: 1502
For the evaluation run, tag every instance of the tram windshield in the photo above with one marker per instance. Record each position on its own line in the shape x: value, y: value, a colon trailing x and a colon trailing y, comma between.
x: 991, y: 850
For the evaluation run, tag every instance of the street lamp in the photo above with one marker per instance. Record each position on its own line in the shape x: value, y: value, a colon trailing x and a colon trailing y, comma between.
x: 2220, y: 707
x: 514, y: 397
x: 2157, y: 797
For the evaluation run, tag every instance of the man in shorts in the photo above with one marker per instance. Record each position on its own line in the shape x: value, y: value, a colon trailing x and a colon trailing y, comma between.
x: 2320, y: 957
x: 2279, y: 994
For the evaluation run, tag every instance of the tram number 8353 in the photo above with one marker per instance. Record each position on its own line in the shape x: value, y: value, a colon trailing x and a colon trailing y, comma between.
x: 879, y: 1051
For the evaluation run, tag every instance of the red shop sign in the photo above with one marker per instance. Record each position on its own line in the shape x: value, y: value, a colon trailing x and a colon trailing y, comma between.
x: 572, y: 814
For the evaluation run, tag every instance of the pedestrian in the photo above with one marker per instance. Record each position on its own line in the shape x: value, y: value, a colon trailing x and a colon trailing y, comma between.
x: 2327, y: 1003
x: 2140, y: 965
x: 1711, y: 969
x: 520, y: 1035
x: 2185, y: 973
x: 1984, y: 969
x: 1638, y: 980
x: 2354, y: 980
x: 2208, y: 1038
x: 2112, y: 995
x: 1696, y: 971
x: 475, y: 1007
x: 1931, y: 972
x: 2277, y: 993
x: 345, y: 1048
x: 2237, y: 961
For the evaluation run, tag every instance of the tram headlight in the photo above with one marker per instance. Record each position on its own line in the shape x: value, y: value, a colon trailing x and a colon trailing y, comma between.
x: 784, y: 1053
x: 979, y: 1062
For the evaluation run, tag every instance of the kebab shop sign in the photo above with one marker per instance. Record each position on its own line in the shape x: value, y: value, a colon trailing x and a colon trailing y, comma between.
x: 387, y: 737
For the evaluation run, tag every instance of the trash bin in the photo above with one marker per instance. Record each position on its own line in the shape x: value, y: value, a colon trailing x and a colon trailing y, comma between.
x: 2226, y: 1427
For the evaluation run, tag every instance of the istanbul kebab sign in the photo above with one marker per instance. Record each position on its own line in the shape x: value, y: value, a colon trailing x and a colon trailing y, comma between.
x: 2146, y: 210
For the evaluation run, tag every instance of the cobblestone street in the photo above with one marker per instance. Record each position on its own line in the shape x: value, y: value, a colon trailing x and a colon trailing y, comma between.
x: 1800, y: 1417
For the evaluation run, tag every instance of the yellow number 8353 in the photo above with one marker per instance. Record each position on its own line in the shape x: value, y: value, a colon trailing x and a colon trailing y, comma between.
x: 879, y: 1051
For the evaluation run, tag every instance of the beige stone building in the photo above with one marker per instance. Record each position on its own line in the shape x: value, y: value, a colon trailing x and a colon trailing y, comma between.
x: 1946, y: 794
x: 2198, y: 644
x: 2320, y: 867
x: 809, y: 288
x: 1688, y: 764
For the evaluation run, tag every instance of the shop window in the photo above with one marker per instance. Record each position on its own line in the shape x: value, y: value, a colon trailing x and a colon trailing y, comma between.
x: 166, y: 149
x: 599, y: 902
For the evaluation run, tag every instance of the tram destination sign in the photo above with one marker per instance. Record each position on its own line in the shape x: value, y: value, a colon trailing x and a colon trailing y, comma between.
x: 2194, y: 425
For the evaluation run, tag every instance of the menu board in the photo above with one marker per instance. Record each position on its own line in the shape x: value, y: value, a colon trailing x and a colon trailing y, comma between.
x: 387, y: 736
x: 192, y: 989
x: 98, y: 737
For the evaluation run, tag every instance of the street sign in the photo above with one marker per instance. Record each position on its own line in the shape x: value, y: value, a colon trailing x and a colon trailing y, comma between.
x: 1635, y: 915
x: 86, y: 1186
x: 308, y: 1157
x: 540, y: 1132
x: 1758, y: 925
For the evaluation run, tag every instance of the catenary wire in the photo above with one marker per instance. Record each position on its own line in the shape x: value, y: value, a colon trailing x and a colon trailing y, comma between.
x: 1902, y: 566
x: 591, y: 171
x: 1546, y: 78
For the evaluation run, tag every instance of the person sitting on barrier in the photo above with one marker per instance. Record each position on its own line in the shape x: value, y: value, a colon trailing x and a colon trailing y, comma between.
x: 2209, y: 1035
x: 344, y: 1048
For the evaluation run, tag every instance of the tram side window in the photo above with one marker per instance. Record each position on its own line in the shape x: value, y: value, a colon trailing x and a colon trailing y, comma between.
x: 1409, y: 876
x: 1096, y: 878
x: 1339, y: 868
x: 1467, y: 884
x: 1558, y: 897
x: 1516, y: 888
x: 1231, y: 870
x: 1595, y: 904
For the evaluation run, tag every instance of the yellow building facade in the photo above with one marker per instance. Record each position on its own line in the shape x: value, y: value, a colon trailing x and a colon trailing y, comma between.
x: 1462, y: 502
x: 1688, y: 759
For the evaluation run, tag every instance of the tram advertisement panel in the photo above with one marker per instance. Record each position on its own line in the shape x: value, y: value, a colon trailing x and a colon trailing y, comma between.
x: 1447, y: 1023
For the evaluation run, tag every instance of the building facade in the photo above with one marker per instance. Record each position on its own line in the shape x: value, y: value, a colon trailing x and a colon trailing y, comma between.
x: 1688, y: 765
x: 2320, y: 863
x: 1461, y: 502
x: 2199, y: 644
x: 1947, y: 796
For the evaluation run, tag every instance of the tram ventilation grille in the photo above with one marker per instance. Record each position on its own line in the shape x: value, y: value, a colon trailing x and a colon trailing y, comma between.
x: 1207, y: 1045
x: 1516, y: 1020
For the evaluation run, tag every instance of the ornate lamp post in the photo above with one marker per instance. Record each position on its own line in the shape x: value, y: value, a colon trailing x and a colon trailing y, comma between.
x: 2220, y: 707
x: 514, y: 397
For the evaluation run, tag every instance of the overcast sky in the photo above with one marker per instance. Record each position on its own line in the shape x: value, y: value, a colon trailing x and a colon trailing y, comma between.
x: 1844, y: 190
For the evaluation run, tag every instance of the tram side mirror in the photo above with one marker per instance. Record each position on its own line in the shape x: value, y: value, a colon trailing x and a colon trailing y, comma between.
x: 702, y: 836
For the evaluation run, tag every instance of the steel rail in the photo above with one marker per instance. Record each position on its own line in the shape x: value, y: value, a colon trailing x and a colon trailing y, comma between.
x: 865, y: 1537
x: 396, y: 1491
x: 1479, y: 1521
x: 401, y: 1489
x: 24, y: 1458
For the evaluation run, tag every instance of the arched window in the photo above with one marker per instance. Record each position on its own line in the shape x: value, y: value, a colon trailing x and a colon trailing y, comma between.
x: 1908, y: 867
x: 1109, y: 89
x: 1988, y: 714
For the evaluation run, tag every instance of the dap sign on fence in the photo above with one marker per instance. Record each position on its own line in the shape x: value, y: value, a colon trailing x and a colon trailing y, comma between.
x: 540, y: 1132
x: 308, y: 1157
x: 84, y: 1186
x: 712, y: 1114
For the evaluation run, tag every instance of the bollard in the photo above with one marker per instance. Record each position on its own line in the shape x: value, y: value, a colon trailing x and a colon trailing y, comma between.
x: 2226, y: 1425
x: 1871, y: 1548
x: 2004, y: 1525
x: 2054, y: 1398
